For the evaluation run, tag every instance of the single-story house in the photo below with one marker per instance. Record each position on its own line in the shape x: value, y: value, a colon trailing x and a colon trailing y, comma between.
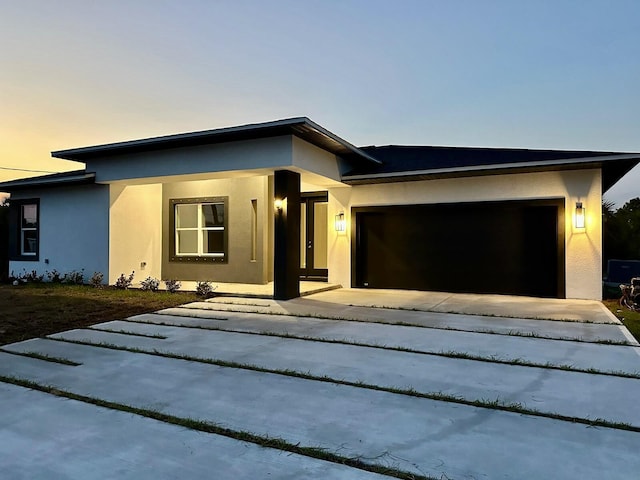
x: 288, y: 200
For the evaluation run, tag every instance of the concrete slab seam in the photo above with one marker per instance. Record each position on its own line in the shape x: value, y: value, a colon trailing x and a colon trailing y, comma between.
x: 496, y: 404
x: 42, y: 357
x: 216, y: 429
x: 432, y: 309
x: 447, y: 354
x: 407, y: 324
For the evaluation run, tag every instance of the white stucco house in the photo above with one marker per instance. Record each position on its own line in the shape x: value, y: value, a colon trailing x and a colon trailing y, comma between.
x: 285, y: 200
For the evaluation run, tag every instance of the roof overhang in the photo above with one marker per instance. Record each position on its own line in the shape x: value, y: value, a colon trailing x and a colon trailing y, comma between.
x: 301, y: 127
x: 614, y: 167
x: 77, y: 177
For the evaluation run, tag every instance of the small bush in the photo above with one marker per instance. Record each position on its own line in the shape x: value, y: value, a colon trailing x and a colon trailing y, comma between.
x: 31, y: 276
x: 204, y: 289
x: 150, y: 284
x: 54, y: 276
x: 96, y: 279
x: 74, y: 277
x: 172, y: 286
x: 16, y: 280
x: 124, y: 282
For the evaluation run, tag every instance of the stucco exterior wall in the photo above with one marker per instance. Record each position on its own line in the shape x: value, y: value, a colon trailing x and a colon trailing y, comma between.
x: 151, y: 167
x: 310, y: 158
x: 583, y: 249
x: 135, y: 234
x: 240, y: 266
x: 74, y: 230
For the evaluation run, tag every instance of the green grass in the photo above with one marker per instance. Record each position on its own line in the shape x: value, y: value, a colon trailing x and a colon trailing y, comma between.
x: 131, y: 334
x: 39, y: 309
x: 41, y: 356
x: 630, y: 318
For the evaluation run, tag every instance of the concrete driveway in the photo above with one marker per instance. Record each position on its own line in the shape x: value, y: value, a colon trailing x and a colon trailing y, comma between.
x: 348, y: 390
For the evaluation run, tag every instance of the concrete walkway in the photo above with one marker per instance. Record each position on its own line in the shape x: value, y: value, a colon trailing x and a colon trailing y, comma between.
x: 252, y: 290
x: 44, y: 437
x: 580, y: 355
x: 328, y: 295
x: 474, y: 304
x: 546, y: 390
x: 584, y: 329
x: 366, y: 374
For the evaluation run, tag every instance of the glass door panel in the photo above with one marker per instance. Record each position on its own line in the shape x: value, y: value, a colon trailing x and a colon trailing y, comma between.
x: 313, y: 236
x: 303, y: 236
x: 320, y: 234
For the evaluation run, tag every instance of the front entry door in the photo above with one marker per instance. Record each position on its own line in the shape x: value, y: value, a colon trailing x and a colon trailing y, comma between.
x: 313, y: 236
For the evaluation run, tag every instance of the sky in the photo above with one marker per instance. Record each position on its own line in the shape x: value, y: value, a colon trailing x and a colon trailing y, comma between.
x: 555, y: 74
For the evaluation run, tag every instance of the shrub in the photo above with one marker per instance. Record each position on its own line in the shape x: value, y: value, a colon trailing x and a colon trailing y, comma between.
x: 150, y: 284
x: 31, y: 276
x: 124, y: 282
x: 172, y: 286
x: 74, y: 277
x: 96, y: 279
x: 54, y: 276
x: 204, y: 289
x: 17, y: 279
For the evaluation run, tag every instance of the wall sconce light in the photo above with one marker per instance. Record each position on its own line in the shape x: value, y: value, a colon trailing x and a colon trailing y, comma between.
x: 340, y: 223
x: 579, y: 216
x: 280, y: 203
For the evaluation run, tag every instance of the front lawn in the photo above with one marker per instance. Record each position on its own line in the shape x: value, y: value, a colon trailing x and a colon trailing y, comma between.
x: 630, y: 319
x: 39, y: 309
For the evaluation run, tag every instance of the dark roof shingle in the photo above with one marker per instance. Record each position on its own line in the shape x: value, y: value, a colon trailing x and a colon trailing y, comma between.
x: 400, y: 158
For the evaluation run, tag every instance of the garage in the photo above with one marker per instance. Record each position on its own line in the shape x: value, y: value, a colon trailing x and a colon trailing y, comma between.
x: 513, y: 247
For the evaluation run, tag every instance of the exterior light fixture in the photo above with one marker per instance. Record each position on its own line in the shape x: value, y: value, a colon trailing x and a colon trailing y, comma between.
x: 579, y: 216
x: 340, y: 222
x: 280, y: 203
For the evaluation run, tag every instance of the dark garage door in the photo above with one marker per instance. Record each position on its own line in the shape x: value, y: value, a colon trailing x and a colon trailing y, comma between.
x: 512, y: 248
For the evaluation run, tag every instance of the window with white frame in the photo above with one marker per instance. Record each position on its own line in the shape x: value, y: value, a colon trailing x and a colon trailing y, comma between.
x: 199, y: 229
x: 29, y: 229
x: 24, y: 218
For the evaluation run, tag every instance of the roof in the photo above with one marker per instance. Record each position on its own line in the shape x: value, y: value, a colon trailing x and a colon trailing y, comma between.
x: 400, y: 162
x: 76, y: 177
x: 301, y: 127
x: 371, y: 164
x: 396, y: 158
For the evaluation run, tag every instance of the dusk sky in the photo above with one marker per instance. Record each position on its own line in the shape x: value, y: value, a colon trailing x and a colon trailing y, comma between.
x: 535, y: 74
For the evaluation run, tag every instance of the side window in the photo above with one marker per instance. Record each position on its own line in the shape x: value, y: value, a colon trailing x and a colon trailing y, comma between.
x: 29, y: 229
x: 25, y: 230
x: 199, y: 229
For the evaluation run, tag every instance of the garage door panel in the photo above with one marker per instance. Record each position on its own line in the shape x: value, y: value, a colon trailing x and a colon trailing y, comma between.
x: 507, y: 247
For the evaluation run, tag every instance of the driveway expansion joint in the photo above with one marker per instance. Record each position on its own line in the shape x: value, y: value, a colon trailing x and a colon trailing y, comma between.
x: 217, y: 429
x: 492, y: 404
x: 533, y: 335
x: 448, y: 354
x: 358, y: 390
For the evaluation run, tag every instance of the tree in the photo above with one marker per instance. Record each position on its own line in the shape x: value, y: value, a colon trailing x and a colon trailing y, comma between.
x: 621, y: 231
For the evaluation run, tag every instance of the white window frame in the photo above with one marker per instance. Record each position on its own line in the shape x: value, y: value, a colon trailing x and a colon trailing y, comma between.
x: 24, y: 229
x: 200, y: 229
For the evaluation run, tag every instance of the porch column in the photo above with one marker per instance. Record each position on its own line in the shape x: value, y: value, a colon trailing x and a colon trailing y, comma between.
x: 286, y: 257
